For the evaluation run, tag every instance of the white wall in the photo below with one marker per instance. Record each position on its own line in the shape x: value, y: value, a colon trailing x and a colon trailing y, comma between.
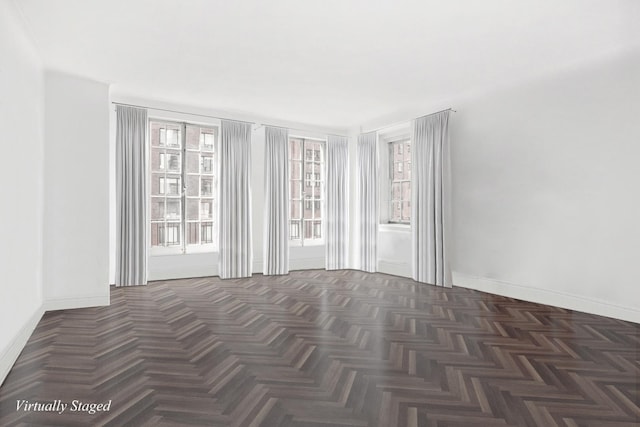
x: 206, y: 264
x: 546, y: 195
x: 76, y: 199
x: 545, y: 189
x: 21, y: 121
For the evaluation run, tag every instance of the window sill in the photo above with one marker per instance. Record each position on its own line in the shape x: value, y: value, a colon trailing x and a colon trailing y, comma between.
x: 181, y: 254
x: 295, y: 244
x: 406, y: 228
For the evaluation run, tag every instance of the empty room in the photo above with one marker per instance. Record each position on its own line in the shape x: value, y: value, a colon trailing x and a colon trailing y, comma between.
x: 320, y: 213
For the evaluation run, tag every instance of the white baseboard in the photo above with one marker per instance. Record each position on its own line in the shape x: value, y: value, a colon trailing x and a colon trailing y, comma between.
x: 11, y: 353
x: 546, y: 296
x: 402, y: 269
x: 51, y: 304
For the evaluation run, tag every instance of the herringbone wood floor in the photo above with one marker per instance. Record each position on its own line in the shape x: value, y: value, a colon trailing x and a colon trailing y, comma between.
x: 320, y: 348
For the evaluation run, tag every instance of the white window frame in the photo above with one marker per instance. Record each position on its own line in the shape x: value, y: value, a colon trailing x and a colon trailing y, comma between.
x: 400, y: 132
x: 308, y: 186
x: 184, y: 247
x: 393, y: 165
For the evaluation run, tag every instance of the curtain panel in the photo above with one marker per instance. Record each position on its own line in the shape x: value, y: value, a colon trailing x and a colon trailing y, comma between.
x: 276, y: 193
x: 337, y: 203
x: 430, y: 199
x: 367, y: 173
x: 234, y: 207
x: 131, y: 196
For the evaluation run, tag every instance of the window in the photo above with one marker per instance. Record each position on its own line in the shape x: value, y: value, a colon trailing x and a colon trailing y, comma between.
x: 400, y: 181
x: 182, y: 183
x: 307, y: 201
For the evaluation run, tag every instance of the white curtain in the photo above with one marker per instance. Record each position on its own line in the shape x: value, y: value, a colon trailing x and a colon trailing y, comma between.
x: 367, y: 172
x: 234, y: 208
x: 276, y: 194
x: 131, y: 196
x: 430, y: 194
x: 337, y: 203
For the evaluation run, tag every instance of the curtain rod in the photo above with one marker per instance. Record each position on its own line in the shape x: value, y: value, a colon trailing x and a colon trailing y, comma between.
x: 220, y: 118
x: 181, y: 112
x: 405, y: 121
x: 298, y: 129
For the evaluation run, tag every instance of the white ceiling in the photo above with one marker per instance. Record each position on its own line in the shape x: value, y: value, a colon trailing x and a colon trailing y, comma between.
x: 337, y: 63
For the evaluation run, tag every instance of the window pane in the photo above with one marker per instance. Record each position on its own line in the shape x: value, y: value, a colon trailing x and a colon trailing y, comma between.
x: 207, y: 164
x: 173, y: 209
x: 396, y: 213
x: 206, y: 209
x: 172, y: 186
x: 192, y: 233
x: 193, y: 138
x: 206, y: 186
x: 317, y: 229
x: 295, y: 170
x: 193, y: 183
x: 308, y: 209
x: 406, y: 211
x: 295, y: 149
x: 155, y: 239
x: 395, y: 191
x: 295, y: 190
x: 406, y: 191
x: 317, y: 210
x: 295, y: 210
x: 207, y: 234
x: 156, y: 188
x: 155, y: 159
x: 173, y: 138
x: 309, y: 167
x: 308, y: 230
x: 397, y: 171
x: 165, y: 234
x: 193, y: 160
x: 157, y: 208
x: 208, y: 141
x: 193, y: 212
x: 170, y: 233
x: 294, y: 230
x: 172, y: 162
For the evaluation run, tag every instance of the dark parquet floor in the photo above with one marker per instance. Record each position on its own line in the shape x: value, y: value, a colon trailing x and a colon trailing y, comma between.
x: 318, y: 348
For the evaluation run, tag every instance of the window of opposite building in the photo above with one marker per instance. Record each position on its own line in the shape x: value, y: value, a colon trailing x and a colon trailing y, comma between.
x: 182, y: 176
x: 400, y: 181
x: 307, y: 177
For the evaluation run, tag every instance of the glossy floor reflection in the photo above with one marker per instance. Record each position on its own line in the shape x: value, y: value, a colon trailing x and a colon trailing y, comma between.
x: 319, y: 348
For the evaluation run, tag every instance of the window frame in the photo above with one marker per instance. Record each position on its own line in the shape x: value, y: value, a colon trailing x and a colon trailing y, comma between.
x: 391, y: 143
x: 307, y: 185
x: 184, y: 247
